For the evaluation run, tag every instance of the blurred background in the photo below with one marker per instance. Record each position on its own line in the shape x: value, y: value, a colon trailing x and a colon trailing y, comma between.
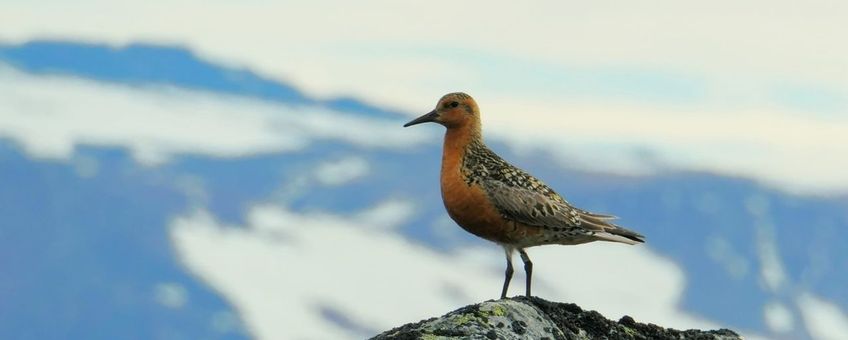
x: 219, y: 169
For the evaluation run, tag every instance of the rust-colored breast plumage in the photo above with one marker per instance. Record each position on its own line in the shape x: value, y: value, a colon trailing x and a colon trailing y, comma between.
x: 469, y: 206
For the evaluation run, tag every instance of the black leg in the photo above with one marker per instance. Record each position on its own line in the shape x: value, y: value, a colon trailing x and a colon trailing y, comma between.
x: 528, y: 268
x: 508, y: 273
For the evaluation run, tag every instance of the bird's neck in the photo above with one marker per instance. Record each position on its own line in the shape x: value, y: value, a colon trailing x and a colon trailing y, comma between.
x: 457, y: 140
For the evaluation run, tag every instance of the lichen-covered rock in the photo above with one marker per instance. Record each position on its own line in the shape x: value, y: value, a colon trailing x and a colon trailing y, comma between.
x: 535, y: 318
x: 501, y: 319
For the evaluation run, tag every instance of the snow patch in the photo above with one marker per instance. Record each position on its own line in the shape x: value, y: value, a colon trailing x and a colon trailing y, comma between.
x: 49, y: 116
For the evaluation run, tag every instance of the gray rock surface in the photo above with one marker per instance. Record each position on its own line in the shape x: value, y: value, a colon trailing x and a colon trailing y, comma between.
x: 536, y: 318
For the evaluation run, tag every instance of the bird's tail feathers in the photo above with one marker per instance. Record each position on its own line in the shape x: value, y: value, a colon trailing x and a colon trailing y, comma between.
x: 632, y: 237
x: 608, y: 231
x: 615, y: 238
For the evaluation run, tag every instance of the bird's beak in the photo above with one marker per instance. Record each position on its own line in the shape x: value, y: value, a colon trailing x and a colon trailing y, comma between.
x: 429, y: 117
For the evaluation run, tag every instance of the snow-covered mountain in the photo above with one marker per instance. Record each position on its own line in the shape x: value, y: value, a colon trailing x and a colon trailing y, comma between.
x: 149, y: 193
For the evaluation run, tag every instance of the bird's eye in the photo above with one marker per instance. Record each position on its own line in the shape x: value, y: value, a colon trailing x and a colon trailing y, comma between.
x: 454, y: 104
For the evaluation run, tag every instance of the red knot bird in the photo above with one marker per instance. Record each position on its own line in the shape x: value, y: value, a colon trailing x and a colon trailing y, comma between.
x: 493, y: 199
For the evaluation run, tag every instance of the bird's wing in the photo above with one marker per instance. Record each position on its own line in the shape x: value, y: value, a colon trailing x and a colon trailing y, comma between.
x: 534, y: 208
x: 548, y: 210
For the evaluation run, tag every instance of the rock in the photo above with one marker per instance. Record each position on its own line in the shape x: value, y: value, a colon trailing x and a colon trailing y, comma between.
x: 536, y: 318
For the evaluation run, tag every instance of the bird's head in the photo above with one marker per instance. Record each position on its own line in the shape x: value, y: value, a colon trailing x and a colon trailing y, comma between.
x: 454, y: 110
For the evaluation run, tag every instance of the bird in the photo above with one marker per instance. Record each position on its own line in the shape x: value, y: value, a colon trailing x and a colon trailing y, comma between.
x: 494, y: 200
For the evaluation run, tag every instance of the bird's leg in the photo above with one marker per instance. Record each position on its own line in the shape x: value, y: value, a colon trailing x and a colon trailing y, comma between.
x: 528, y: 268
x: 508, y: 273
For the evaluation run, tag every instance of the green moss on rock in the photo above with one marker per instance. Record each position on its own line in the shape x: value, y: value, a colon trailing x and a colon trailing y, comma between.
x: 535, y: 318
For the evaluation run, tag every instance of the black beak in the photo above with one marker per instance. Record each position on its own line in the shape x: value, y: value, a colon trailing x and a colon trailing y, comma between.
x: 429, y: 117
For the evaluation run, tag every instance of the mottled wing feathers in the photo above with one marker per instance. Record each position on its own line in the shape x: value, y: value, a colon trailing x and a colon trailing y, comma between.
x: 529, y: 206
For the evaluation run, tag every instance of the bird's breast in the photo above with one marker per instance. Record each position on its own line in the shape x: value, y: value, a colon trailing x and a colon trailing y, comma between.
x: 470, y: 207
